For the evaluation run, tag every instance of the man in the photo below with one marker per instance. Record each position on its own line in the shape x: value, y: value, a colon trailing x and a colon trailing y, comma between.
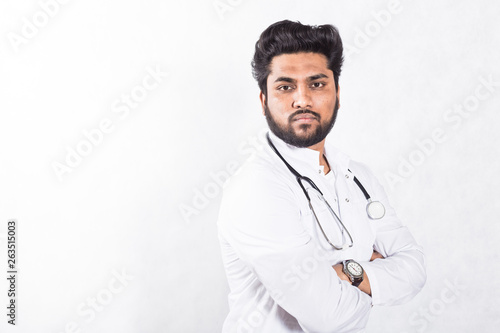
x: 308, y: 238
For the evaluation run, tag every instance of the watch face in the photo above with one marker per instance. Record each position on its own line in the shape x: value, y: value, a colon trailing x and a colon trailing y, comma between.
x: 355, y: 268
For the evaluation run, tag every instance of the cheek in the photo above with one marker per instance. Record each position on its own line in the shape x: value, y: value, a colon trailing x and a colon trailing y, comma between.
x: 327, y: 104
x: 278, y: 108
x: 327, y: 98
x: 278, y: 102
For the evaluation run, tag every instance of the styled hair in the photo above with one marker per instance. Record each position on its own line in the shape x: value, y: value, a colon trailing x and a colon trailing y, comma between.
x: 287, y: 37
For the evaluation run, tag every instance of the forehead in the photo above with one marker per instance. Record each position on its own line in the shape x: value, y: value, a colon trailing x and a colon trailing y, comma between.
x: 299, y: 65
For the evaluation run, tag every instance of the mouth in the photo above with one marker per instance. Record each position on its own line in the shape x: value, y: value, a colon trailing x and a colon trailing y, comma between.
x: 305, y: 118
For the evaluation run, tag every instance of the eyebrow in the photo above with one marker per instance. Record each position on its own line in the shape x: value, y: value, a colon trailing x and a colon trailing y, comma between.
x: 317, y: 76
x: 310, y: 78
x: 284, y: 79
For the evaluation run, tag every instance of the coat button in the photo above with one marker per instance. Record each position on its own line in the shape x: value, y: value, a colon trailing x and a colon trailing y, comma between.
x: 346, y: 199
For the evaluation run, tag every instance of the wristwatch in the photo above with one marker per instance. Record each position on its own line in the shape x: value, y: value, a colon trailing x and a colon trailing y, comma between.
x: 354, y: 271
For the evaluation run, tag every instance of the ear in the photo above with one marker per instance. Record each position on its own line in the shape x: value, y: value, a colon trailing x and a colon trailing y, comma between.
x: 338, y: 94
x: 262, y: 98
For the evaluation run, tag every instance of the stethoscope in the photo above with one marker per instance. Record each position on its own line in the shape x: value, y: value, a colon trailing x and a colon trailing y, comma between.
x: 374, y: 209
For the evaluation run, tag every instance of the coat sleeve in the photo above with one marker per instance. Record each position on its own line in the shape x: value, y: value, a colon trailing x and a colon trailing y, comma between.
x: 401, y: 275
x: 260, y: 219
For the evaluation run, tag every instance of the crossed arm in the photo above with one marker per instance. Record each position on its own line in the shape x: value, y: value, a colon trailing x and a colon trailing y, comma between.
x: 365, y: 284
x: 272, y: 242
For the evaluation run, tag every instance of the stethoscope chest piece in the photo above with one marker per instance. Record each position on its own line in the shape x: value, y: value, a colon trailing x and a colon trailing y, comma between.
x: 375, y: 210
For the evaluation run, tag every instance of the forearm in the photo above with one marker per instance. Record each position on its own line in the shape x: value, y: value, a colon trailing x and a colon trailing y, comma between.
x: 401, y: 274
x: 397, y: 278
x: 317, y: 299
x: 394, y: 280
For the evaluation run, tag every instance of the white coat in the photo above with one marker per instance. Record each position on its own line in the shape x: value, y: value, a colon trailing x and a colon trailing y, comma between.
x: 278, y: 264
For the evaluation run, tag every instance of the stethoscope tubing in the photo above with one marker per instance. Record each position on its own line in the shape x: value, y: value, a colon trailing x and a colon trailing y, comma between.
x: 374, y: 209
x: 299, y: 176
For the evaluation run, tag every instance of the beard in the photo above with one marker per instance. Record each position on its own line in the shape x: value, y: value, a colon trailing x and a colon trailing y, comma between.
x: 311, y: 137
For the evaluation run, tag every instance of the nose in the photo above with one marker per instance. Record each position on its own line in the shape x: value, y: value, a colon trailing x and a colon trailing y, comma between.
x: 302, y: 98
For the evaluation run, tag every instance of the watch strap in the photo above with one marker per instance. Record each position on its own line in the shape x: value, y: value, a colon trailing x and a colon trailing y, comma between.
x: 356, y: 281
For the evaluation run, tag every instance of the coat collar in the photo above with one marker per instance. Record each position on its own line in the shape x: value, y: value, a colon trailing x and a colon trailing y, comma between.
x: 306, y: 160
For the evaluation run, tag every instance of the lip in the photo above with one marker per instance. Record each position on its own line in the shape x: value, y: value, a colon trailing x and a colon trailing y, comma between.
x: 305, y: 118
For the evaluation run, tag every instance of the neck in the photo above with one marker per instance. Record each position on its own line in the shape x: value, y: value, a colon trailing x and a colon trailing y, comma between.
x: 320, y: 147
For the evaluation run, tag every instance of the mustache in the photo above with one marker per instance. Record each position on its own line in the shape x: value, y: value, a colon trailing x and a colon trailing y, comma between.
x: 302, y: 111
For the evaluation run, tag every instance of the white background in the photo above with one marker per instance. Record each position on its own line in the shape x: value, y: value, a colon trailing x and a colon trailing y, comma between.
x: 119, y: 210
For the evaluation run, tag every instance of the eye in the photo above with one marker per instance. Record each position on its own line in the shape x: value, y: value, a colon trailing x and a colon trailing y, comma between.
x: 284, y: 88
x: 318, y: 85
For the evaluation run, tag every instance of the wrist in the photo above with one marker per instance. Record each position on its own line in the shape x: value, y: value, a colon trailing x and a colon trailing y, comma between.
x: 353, y: 271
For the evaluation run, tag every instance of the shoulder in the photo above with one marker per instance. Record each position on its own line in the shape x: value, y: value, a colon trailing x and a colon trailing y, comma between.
x: 259, y: 208
x: 257, y: 191
x: 361, y: 170
x: 259, y: 172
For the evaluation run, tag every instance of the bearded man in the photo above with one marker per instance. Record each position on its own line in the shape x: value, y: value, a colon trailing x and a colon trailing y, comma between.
x: 309, y: 240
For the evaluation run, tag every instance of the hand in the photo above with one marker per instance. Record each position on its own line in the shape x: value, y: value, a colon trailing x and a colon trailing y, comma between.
x: 376, y: 255
x: 340, y: 272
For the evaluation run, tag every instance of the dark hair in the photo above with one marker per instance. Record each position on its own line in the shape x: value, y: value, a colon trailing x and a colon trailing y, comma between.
x: 287, y: 37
